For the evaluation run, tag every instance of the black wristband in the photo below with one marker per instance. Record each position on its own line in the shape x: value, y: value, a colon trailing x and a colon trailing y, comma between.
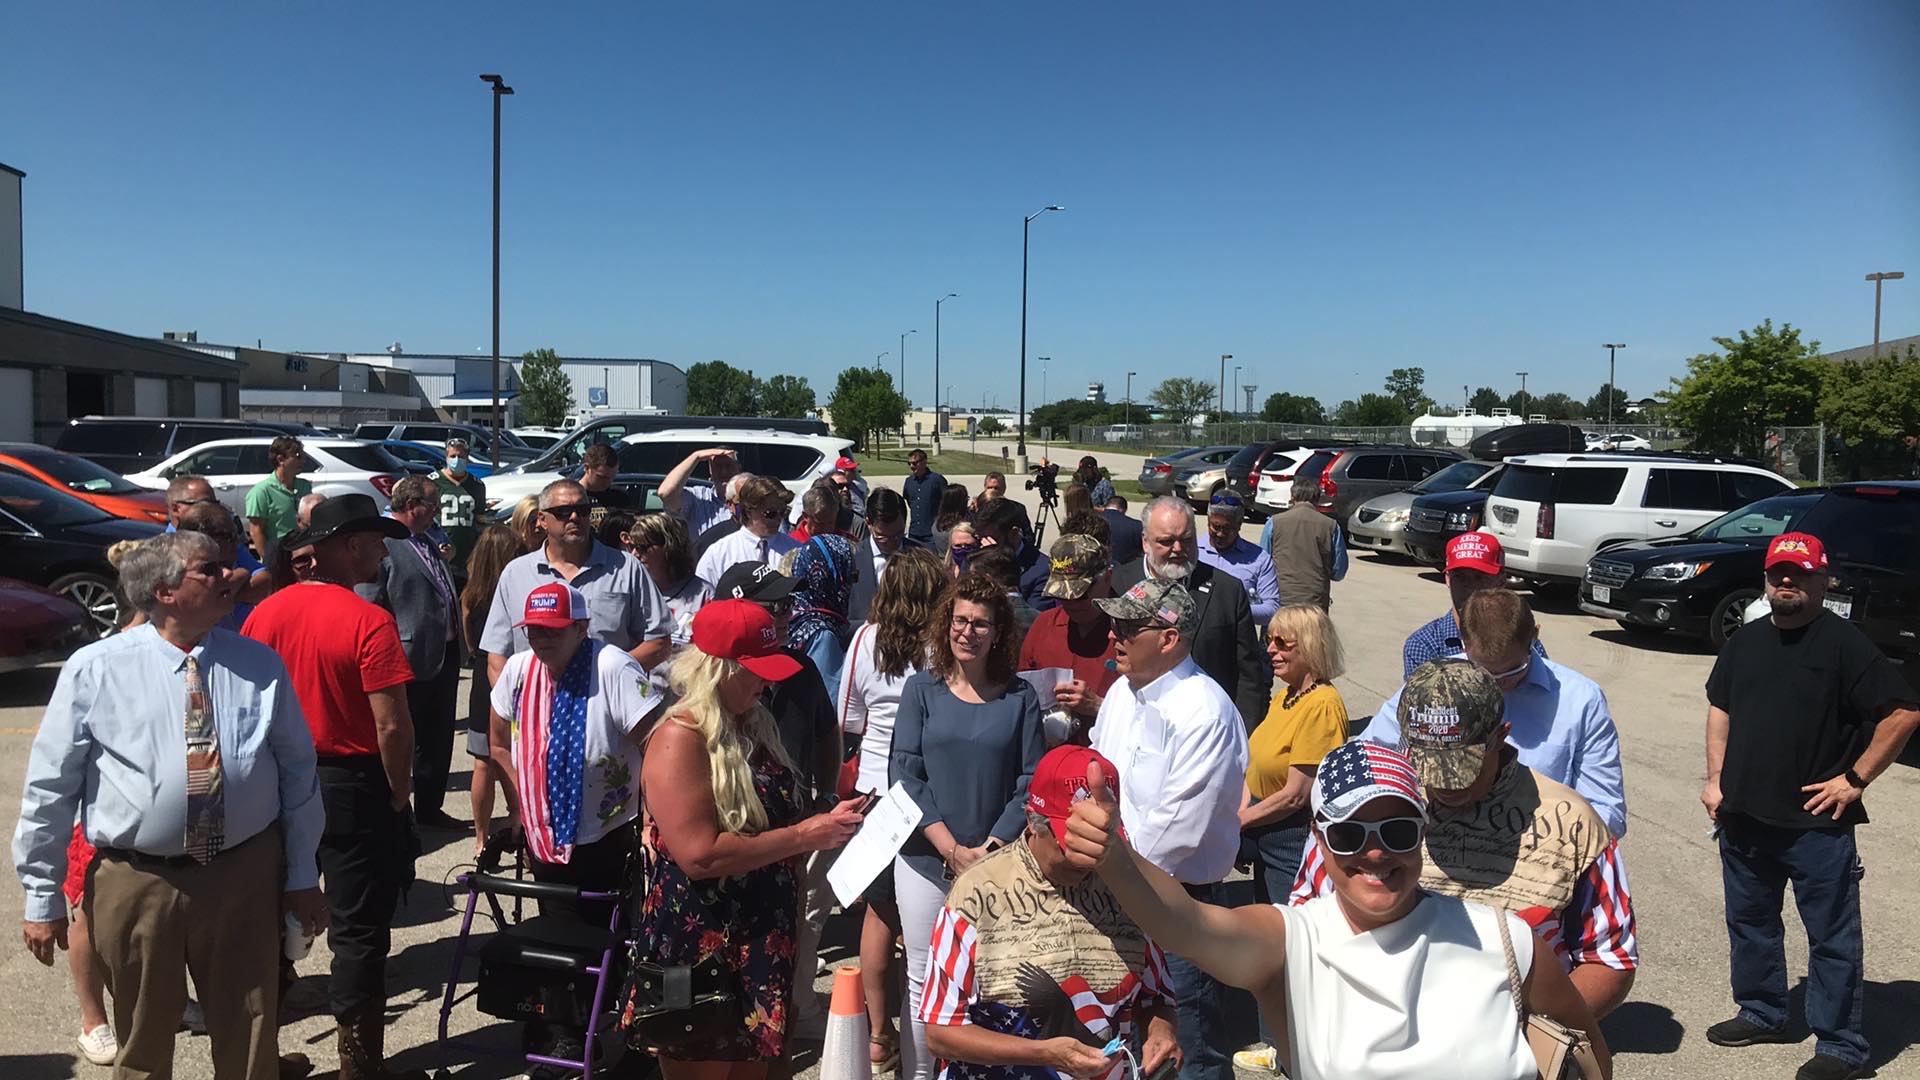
x: 1854, y: 779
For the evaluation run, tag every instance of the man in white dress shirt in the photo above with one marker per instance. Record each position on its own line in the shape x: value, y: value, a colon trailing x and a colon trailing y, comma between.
x: 1181, y: 749
x: 762, y: 537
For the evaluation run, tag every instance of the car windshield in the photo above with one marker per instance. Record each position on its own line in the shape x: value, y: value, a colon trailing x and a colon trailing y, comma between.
x: 1757, y: 522
x: 46, y: 509
x: 79, y: 474
x: 1455, y: 477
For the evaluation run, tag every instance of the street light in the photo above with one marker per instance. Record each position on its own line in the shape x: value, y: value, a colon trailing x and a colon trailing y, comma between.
x: 1610, y: 347
x: 1878, y: 280
x: 1523, y: 395
x: 1236, y: 380
x: 1129, y: 409
x: 879, y: 357
x: 1224, y: 357
x: 1043, y: 381
x: 903, y: 365
x: 500, y: 89
x: 938, y: 419
x: 1026, y: 228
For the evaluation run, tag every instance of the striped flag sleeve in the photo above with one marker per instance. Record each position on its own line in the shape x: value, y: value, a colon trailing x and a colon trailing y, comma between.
x: 1312, y: 879
x: 1598, y: 924
x: 949, y: 988
x: 1156, y: 984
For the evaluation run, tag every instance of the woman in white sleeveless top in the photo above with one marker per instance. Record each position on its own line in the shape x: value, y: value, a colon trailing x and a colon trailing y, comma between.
x: 1380, y: 981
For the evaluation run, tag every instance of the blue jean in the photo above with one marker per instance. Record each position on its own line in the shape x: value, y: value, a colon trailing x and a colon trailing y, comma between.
x: 1756, y: 862
x: 1200, y: 998
x: 1277, y: 854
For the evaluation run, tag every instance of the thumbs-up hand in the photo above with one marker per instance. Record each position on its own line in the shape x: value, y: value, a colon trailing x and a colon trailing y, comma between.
x: 1093, y: 828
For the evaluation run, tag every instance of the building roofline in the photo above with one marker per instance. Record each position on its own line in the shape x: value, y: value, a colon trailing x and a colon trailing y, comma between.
x: 4, y: 167
x: 115, y: 336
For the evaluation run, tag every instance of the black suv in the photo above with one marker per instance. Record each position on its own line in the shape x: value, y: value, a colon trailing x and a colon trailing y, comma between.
x: 129, y: 444
x: 1701, y: 583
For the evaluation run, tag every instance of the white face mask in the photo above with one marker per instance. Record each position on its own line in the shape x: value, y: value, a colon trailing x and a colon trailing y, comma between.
x: 456, y: 464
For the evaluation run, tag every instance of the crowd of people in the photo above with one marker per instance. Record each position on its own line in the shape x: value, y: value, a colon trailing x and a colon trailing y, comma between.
x: 695, y: 707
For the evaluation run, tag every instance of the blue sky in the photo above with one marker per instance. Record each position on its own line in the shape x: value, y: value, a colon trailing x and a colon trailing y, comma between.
x: 1326, y: 192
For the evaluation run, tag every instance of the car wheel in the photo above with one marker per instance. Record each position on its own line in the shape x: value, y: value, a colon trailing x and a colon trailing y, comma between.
x: 1641, y: 629
x: 94, y: 593
x: 1729, y: 615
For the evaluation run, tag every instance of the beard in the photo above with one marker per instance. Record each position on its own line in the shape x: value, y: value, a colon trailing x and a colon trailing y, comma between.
x: 1787, y: 606
x: 1169, y: 569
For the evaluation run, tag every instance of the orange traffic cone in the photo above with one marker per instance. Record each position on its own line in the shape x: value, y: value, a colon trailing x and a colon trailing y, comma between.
x: 844, y: 1056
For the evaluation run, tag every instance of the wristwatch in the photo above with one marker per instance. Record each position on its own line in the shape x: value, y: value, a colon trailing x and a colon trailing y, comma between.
x: 1854, y: 779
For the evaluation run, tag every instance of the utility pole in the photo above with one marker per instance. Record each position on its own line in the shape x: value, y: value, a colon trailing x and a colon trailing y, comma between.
x: 939, y: 418
x: 1610, y: 347
x: 1236, y: 381
x: 1026, y: 229
x: 1879, y: 280
x: 903, y: 366
x: 1129, y: 410
x: 1523, y: 395
x: 1224, y: 357
x: 500, y: 90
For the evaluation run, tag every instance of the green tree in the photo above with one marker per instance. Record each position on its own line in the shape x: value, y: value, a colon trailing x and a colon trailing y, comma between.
x: 788, y: 396
x: 1597, y: 405
x: 717, y: 388
x: 1372, y: 410
x: 1060, y: 416
x: 1284, y: 408
x: 864, y: 403
x: 1183, y: 398
x: 1485, y: 400
x: 992, y: 426
x: 546, y: 393
x: 1870, y: 409
x: 1765, y: 378
x: 1408, y: 386
x: 1556, y: 406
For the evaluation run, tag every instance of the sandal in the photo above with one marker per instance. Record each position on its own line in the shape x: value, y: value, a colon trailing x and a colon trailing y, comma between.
x: 889, y: 1043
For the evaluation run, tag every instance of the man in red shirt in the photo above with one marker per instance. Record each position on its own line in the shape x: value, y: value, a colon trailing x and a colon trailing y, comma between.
x: 1074, y: 635
x: 351, y: 676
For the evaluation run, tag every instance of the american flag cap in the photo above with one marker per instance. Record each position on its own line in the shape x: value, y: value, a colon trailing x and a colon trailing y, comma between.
x: 1358, y: 772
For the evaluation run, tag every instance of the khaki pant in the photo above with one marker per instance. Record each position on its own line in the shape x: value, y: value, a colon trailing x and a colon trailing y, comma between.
x: 153, y: 923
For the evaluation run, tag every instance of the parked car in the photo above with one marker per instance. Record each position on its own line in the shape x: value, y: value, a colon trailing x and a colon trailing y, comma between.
x: 1158, y: 475
x: 539, y: 438
x: 38, y: 626
x: 51, y: 539
x: 1380, y: 523
x: 128, y: 444
x: 1701, y: 584
x: 610, y: 428
x: 1617, y: 441
x: 1125, y: 433
x: 1436, y: 517
x: 233, y: 466
x: 434, y: 433
x: 1350, y: 475
x: 427, y: 460
x: 1554, y: 512
x: 795, y: 460
x: 84, y: 480
x: 1274, y: 491
x: 1245, y: 471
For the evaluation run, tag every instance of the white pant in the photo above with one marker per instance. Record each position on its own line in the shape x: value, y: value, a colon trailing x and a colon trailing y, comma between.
x: 816, y: 904
x: 920, y: 903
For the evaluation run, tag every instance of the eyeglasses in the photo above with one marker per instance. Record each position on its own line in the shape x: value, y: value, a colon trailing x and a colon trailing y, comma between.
x: 196, y: 502
x: 569, y: 510
x: 1278, y: 642
x: 213, y: 568
x: 1510, y: 673
x: 1399, y: 835
x: 1127, y: 628
x: 975, y: 626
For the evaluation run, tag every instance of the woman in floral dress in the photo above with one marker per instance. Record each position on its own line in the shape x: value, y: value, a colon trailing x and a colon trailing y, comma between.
x: 726, y: 824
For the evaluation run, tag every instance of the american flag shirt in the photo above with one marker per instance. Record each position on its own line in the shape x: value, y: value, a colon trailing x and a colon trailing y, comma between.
x: 1016, y: 955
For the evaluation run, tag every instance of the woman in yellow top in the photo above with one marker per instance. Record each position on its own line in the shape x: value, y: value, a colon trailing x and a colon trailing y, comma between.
x: 1302, y: 726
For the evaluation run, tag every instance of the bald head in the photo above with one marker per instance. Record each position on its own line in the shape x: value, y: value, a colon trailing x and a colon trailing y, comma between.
x: 184, y: 492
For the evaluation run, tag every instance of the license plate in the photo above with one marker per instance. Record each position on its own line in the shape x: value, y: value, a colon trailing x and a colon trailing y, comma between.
x: 1506, y: 515
x: 1840, y: 605
x: 1602, y: 594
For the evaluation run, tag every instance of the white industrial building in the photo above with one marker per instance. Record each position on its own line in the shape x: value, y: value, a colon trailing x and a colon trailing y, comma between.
x: 461, y: 387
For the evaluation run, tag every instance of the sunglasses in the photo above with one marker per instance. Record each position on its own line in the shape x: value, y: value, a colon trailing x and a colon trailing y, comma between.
x: 1224, y: 500
x: 1127, y: 628
x: 1278, y: 642
x: 776, y: 608
x: 770, y: 513
x: 570, y: 510
x: 1398, y: 835
x: 212, y: 569
x: 1511, y: 673
x: 196, y: 502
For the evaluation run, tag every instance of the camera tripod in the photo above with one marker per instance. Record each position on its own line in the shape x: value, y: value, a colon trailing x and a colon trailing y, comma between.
x: 1049, y: 508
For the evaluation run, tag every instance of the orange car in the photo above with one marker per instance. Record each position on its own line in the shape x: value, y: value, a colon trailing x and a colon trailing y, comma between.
x: 93, y: 484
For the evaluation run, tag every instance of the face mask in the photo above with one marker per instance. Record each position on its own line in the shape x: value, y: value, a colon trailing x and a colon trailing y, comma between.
x: 457, y: 465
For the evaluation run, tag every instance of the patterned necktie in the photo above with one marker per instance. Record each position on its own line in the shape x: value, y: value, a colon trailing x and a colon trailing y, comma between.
x: 206, y: 794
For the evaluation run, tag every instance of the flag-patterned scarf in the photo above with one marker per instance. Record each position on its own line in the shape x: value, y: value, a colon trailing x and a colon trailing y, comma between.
x: 549, y: 752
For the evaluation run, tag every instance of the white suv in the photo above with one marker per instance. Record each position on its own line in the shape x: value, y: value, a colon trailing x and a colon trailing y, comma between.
x: 794, y: 460
x: 233, y: 466
x: 1552, y: 512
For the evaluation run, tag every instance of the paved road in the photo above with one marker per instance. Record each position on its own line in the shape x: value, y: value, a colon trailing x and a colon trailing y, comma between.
x: 1656, y: 697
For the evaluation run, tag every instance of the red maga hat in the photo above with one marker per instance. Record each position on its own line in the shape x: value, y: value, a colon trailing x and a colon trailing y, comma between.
x: 741, y: 630
x: 1477, y: 551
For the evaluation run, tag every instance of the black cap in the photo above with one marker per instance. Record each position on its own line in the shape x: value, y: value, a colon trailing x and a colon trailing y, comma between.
x: 752, y: 581
x: 344, y: 514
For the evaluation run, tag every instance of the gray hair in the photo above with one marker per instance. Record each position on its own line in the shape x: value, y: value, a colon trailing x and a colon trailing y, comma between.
x: 177, y: 487
x: 161, y: 562
x: 457, y: 443
x: 1169, y: 503
x: 412, y: 490
x: 304, y: 513
x: 1305, y: 488
x: 733, y: 486
x: 546, y: 493
x: 820, y: 501
x: 1236, y: 511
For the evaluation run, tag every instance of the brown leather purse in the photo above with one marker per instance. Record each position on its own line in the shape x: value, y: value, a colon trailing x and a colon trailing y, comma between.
x: 1561, y: 1052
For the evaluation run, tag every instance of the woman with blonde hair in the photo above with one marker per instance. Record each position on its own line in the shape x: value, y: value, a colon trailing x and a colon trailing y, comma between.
x: 497, y: 546
x: 525, y: 522
x: 885, y: 652
x: 962, y: 541
x: 662, y: 544
x: 724, y: 825
x: 1302, y: 726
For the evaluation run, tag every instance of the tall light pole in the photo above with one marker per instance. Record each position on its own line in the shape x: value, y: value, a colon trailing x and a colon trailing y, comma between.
x: 1523, y: 395
x: 1043, y: 379
x: 499, y: 89
x: 879, y: 357
x: 1878, y: 280
x: 939, y: 420
x: 1026, y: 228
x: 903, y: 364
x: 1224, y: 357
x: 1610, y: 347
x: 1236, y: 383
x: 1129, y: 412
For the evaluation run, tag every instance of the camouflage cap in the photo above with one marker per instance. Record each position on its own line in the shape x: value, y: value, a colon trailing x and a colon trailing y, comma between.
x: 1449, y: 713
x: 1076, y: 561
x: 1165, y: 602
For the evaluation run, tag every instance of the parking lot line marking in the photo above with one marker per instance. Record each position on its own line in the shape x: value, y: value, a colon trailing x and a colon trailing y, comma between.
x: 19, y: 731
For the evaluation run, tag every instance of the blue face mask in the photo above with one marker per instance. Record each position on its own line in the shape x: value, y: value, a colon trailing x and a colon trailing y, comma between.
x: 456, y: 465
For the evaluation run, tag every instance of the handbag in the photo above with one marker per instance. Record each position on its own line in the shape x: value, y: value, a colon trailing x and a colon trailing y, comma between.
x: 681, y: 1005
x: 849, y: 778
x: 1561, y: 1052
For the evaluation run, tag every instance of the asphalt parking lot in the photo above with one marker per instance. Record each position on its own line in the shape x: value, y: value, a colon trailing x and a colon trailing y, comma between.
x: 1655, y: 692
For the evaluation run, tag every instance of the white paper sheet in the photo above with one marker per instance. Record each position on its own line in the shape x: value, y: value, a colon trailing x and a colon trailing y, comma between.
x: 870, y: 853
x: 1043, y: 680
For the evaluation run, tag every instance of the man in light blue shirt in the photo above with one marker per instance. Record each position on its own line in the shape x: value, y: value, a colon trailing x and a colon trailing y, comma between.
x: 1561, y: 725
x: 185, y: 881
x: 1223, y: 548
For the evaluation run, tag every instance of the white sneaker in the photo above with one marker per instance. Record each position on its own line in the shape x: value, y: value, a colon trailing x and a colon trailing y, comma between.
x: 1259, y: 1057
x: 99, y: 1046
x: 193, y: 1019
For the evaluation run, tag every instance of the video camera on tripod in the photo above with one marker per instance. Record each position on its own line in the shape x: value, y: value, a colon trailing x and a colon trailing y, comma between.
x: 1046, y: 479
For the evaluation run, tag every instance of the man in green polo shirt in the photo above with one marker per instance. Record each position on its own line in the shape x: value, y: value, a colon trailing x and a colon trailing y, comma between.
x: 273, y: 505
x: 462, y: 497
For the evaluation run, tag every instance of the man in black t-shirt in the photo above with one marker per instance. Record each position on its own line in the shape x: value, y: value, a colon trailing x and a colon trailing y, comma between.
x: 1803, y: 713
x: 598, y: 467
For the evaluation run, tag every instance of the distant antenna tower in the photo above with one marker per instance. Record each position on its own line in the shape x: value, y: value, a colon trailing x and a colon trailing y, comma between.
x: 1248, y: 389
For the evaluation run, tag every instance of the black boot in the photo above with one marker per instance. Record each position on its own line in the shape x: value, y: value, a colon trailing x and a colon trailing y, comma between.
x: 363, y: 1037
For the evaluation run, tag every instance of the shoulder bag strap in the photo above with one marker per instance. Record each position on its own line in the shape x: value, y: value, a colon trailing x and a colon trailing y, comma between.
x: 1514, y: 989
